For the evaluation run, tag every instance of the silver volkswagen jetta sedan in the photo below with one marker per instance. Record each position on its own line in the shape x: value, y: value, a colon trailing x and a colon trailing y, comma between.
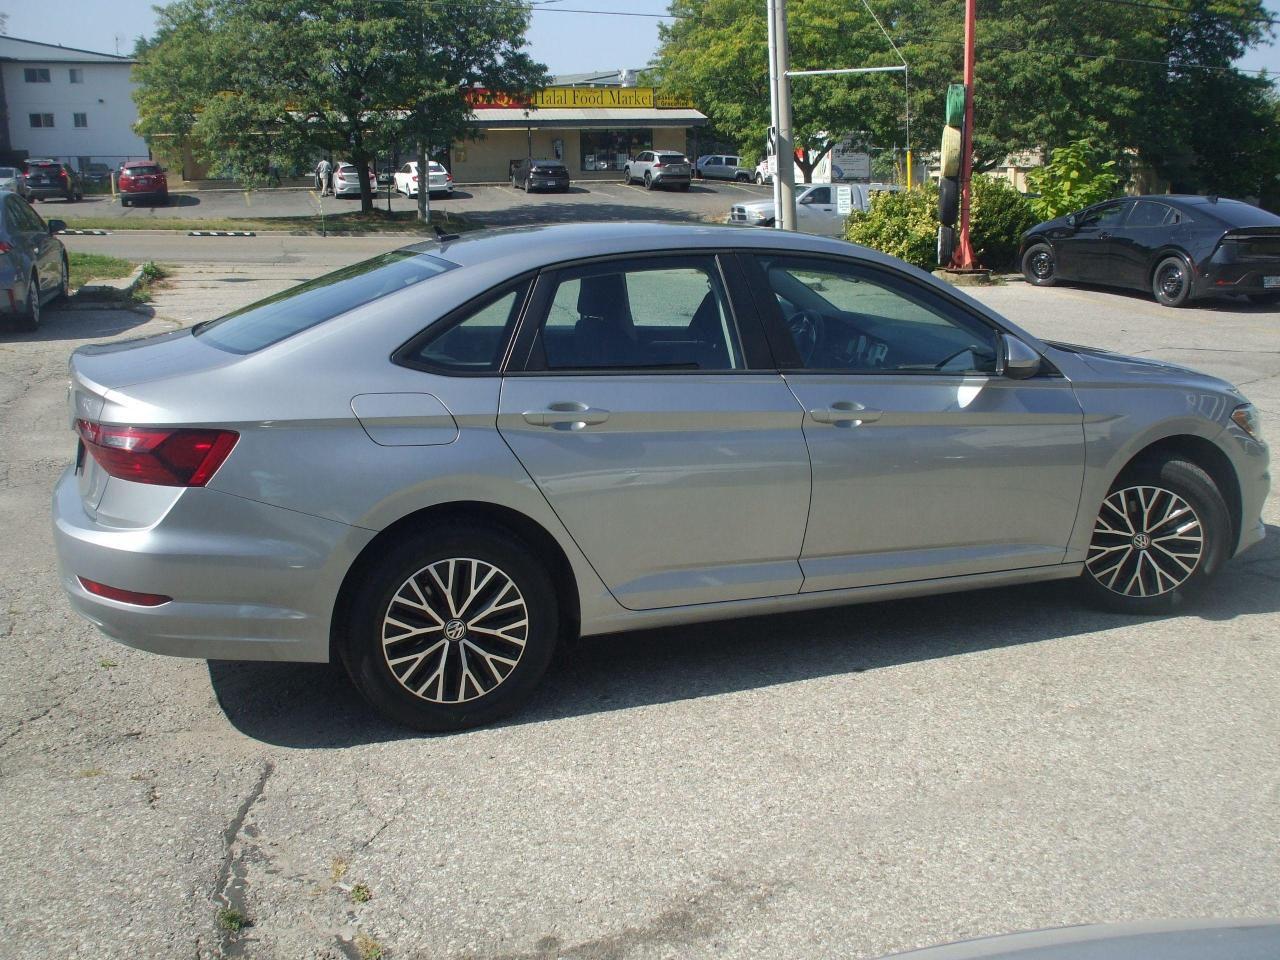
x: 434, y: 464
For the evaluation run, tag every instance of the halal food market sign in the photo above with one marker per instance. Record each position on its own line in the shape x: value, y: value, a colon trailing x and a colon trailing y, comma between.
x: 580, y: 97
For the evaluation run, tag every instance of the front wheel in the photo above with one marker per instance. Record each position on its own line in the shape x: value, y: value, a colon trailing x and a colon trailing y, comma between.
x: 626, y: 176
x: 1038, y: 265
x: 452, y: 628
x: 759, y: 180
x: 1162, y: 533
x: 64, y: 280
x: 648, y: 180
x: 29, y: 318
x: 1171, y: 282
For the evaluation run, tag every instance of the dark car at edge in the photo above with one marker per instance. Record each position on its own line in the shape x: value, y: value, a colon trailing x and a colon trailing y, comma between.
x: 50, y: 179
x: 1176, y: 248
x: 531, y: 174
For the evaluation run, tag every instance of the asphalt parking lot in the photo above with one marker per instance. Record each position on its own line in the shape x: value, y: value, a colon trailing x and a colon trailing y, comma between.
x: 840, y: 784
x: 493, y: 205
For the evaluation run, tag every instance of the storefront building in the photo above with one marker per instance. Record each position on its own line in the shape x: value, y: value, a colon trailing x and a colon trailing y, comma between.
x: 593, y: 130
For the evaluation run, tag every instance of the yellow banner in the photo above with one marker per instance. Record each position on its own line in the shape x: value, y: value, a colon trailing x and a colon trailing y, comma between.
x: 605, y: 97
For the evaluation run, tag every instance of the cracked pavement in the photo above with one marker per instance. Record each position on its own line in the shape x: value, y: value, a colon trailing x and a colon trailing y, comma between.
x: 842, y: 783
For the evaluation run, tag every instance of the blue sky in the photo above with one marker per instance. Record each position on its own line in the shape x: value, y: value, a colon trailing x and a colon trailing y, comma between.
x: 567, y: 42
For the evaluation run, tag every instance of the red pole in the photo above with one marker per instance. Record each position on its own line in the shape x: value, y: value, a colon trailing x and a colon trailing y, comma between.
x: 964, y: 258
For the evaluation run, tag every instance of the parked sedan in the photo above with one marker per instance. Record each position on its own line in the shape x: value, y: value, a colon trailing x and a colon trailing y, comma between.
x: 13, y: 180
x: 346, y: 180
x: 434, y: 465
x: 33, y: 262
x: 658, y: 168
x: 440, y: 181
x: 49, y: 179
x: 1178, y: 248
x: 530, y: 174
x: 142, y: 181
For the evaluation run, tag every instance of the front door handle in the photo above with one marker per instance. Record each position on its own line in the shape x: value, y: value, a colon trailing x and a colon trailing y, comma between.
x: 570, y: 415
x: 846, y: 413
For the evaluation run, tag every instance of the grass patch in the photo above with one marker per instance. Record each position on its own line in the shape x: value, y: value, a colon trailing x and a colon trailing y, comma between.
x: 351, y: 222
x: 367, y: 947
x: 232, y: 921
x: 361, y: 893
x: 95, y: 266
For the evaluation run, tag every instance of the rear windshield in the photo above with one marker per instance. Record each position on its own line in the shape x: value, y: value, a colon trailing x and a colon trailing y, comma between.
x: 42, y: 166
x: 143, y: 171
x: 673, y: 157
x: 299, y: 308
x: 1237, y: 213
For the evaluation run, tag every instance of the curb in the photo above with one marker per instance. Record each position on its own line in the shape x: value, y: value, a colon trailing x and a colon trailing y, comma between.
x: 221, y: 233
x: 82, y: 233
x: 122, y: 289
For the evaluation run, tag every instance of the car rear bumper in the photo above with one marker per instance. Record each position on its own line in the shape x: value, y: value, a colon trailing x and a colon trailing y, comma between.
x: 249, y: 581
x: 144, y: 195
x: 548, y: 183
x: 44, y: 192
x: 666, y: 178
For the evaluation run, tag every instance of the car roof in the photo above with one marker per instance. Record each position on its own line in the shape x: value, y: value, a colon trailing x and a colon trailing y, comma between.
x: 141, y: 163
x: 545, y: 160
x: 676, y: 152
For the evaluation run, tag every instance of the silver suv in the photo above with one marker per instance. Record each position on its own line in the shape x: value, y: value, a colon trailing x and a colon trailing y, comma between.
x: 658, y: 168
x: 436, y: 464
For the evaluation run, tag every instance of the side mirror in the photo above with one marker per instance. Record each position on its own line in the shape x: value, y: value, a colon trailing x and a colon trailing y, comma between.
x: 1072, y: 222
x: 1020, y: 361
x: 57, y: 226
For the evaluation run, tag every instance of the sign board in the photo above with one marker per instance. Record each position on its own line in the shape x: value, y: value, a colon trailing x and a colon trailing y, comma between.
x: 844, y: 199
x: 849, y: 163
x: 599, y: 98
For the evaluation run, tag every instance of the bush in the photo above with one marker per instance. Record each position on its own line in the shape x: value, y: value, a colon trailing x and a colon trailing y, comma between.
x: 905, y: 224
x: 999, y: 218
x: 1076, y: 176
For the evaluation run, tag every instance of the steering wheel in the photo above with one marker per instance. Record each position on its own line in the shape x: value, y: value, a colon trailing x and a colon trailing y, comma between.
x: 806, y: 328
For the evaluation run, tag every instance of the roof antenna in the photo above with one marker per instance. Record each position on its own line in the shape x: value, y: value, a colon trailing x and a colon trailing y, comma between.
x: 442, y: 236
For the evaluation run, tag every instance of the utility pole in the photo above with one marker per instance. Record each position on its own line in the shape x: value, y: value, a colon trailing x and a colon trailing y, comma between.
x: 780, y: 55
x: 773, y: 118
x: 963, y: 258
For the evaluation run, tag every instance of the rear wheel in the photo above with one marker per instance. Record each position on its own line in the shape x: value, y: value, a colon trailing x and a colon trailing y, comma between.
x: 452, y: 629
x: 648, y: 180
x: 1162, y: 533
x: 1171, y: 282
x: 626, y: 176
x: 743, y: 178
x: 29, y: 318
x: 64, y: 279
x: 1038, y: 265
x: 760, y: 179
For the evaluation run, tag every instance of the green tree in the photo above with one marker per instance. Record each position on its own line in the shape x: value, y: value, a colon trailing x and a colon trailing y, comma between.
x: 253, y: 82
x: 1076, y: 176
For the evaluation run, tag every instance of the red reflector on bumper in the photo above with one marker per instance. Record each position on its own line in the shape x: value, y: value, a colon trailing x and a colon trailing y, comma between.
x: 124, y: 596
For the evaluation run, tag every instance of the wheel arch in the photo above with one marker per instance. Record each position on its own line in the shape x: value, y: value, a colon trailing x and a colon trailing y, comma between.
x: 532, y: 533
x: 1206, y: 455
x: 1163, y: 254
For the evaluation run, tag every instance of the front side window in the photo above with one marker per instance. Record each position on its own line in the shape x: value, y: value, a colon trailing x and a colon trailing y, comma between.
x: 36, y: 75
x: 299, y: 308
x: 818, y: 195
x: 1108, y: 215
x: 640, y: 315
x: 851, y: 319
x: 472, y: 343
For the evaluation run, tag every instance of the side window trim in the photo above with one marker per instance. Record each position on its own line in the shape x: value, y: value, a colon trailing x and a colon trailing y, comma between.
x: 789, y: 361
x: 526, y: 358
x: 403, y: 355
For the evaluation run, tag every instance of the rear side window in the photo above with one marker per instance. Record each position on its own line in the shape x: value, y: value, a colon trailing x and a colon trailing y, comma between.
x: 271, y: 320
x: 473, y: 340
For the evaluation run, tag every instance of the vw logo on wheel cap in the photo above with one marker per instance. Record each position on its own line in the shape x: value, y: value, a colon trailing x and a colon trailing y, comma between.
x: 455, y: 629
x: 1142, y: 540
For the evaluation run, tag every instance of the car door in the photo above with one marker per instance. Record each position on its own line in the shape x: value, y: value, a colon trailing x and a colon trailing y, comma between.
x: 816, y: 212
x: 927, y: 463
x: 24, y: 230
x: 47, y: 250
x: 1087, y: 252
x: 714, y: 168
x: 1147, y: 228
x: 658, y: 429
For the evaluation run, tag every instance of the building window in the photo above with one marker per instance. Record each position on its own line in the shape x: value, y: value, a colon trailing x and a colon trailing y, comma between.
x: 36, y: 74
x: 80, y: 119
x: 77, y: 75
x: 609, y: 149
x: 41, y: 119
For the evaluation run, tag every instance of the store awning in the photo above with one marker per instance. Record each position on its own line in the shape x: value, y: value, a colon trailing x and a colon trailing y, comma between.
x: 514, y: 118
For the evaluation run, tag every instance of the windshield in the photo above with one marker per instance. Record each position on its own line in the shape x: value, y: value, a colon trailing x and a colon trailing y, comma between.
x: 299, y: 308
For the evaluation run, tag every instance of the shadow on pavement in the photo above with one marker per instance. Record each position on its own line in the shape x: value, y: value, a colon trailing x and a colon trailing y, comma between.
x: 1221, y: 303
x: 315, y: 705
x: 79, y: 323
x: 544, y: 212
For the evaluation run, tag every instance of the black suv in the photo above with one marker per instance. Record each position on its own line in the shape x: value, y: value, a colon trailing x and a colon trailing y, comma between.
x: 47, y: 179
x: 532, y: 174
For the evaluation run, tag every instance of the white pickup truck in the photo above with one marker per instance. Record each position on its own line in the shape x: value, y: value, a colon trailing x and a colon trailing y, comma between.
x: 817, y: 208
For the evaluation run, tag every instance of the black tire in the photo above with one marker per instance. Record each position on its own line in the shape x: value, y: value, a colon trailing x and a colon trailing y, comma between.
x: 1038, y: 265
x: 946, y: 245
x: 742, y: 178
x: 527, y: 185
x: 64, y: 280
x: 948, y: 201
x: 1108, y: 583
x: 29, y: 319
x: 363, y: 644
x: 1264, y: 299
x: 759, y: 179
x: 626, y: 176
x: 123, y: 201
x: 1171, y: 282
x: 648, y: 180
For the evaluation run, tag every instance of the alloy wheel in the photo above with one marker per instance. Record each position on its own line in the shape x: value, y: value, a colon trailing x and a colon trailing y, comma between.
x: 455, y: 630
x: 1147, y: 541
x: 1170, y: 280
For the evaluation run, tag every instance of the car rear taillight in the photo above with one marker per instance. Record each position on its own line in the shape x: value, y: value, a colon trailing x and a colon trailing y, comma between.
x: 124, y: 596
x: 449, y: 177
x: 170, y: 457
x: 657, y: 163
x: 415, y: 178
x: 6, y: 246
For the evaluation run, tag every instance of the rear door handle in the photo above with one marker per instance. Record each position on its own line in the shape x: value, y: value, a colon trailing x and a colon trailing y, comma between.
x: 845, y: 413
x: 570, y: 414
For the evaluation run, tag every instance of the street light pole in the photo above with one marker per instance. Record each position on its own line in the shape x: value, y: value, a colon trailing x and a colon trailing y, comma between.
x: 964, y: 258
x: 773, y: 118
x: 781, y: 55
